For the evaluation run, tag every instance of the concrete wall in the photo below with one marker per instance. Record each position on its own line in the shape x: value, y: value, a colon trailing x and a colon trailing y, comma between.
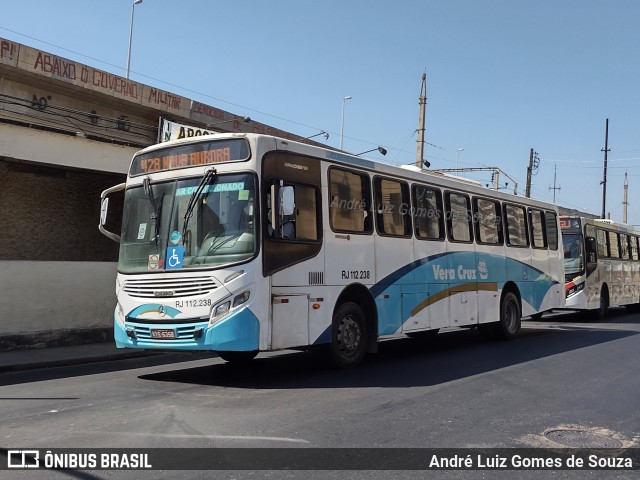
x: 55, y: 302
x: 63, y: 150
x: 57, y: 272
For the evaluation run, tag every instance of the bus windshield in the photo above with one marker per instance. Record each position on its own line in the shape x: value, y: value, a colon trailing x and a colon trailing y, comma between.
x: 218, y: 232
x: 573, y: 253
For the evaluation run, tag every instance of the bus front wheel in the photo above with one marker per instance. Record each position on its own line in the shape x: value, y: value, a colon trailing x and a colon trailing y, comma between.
x: 238, y: 357
x: 349, y: 336
x: 603, y: 310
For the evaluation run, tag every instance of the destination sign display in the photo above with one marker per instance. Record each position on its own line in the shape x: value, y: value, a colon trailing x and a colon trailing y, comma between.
x: 184, y: 156
x: 570, y: 223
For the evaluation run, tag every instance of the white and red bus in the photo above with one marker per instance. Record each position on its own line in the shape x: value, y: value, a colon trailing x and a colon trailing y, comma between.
x: 602, y: 267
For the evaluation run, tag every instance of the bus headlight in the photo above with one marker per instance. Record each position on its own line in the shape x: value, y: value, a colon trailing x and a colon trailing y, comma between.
x: 220, y: 311
x: 240, y: 299
x: 573, y: 289
x: 223, y: 309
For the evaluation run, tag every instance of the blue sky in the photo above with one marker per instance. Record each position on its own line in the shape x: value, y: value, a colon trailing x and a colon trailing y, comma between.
x: 503, y: 76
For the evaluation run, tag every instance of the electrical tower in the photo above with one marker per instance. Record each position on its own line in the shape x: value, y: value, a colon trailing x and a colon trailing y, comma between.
x: 420, y: 161
x: 606, y: 149
x: 532, y: 169
x: 554, y: 188
x: 625, y: 202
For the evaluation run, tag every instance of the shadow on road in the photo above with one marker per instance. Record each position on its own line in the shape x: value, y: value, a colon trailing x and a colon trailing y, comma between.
x: 619, y: 315
x: 94, y: 368
x: 399, y: 363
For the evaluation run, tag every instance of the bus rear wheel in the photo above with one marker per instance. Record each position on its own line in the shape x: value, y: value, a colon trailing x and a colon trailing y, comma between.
x: 510, y: 319
x: 349, y: 336
x: 238, y: 358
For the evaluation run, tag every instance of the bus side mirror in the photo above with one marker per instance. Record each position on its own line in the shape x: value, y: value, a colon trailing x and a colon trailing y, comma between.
x: 591, y: 248
x: 104, y: 210
x: 287, y: 201
x: 590, y: 245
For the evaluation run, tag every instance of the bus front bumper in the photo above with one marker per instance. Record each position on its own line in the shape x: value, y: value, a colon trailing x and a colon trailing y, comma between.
x: 237, y: 332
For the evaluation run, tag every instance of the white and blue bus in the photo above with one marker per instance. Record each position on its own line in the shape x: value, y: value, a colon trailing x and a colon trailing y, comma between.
x: 602, y: 264
x: 240, y: 243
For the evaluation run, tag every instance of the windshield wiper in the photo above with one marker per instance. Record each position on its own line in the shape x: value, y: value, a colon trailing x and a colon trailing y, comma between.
x: 221, y: 242
x: 153, y: 213
x: 209, y: 176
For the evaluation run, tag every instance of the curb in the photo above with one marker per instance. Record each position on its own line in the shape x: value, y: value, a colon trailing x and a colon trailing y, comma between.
x: 66, y: 362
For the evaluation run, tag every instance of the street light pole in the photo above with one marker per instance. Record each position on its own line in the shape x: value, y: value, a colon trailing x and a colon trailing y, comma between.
x: 344, y: 101
x: 458, y: 156
x: 133, y: 8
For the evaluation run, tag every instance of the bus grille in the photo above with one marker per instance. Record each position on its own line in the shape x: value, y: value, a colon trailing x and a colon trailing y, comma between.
x: 170, y: 287
x: 182, y: 333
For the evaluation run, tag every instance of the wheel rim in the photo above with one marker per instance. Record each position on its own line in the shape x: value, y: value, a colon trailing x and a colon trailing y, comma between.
x: 349, y: 335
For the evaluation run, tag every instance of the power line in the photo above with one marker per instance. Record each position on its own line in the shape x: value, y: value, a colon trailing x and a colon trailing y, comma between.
x: 184, y: 89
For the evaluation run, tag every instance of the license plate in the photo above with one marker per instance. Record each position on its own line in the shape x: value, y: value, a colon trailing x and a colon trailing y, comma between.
x: 162, y: 334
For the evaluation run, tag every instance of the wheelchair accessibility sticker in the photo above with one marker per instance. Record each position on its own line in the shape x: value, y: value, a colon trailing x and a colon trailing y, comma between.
x: 174, y: 257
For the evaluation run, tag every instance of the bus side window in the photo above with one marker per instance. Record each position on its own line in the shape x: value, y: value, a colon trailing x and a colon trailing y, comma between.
x: 603, y: 247
x: 614, y: 244
x: 486, y: 215
x: 428, y: 218
x: 391, y: 200
x: 536, y: 227
x: 624, y: 246
x: 515, y: 218
x: 349, y: 201
x: 295, y: 215
x: 551, y: 229
x: 458, y: 216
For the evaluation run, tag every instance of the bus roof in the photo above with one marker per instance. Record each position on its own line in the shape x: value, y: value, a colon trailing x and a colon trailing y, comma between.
x: 407, y: 172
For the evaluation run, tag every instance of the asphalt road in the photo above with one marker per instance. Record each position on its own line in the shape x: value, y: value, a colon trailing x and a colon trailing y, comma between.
x: 565, y: 372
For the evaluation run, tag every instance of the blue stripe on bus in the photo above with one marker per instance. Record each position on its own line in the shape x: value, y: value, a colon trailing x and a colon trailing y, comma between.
x: 490, y: 271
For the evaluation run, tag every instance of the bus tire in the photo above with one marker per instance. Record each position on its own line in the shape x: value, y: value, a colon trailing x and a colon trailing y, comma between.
x: 510, y: 319
x: 238, y: 358
x: 349, y: 336
x: 603, y: 310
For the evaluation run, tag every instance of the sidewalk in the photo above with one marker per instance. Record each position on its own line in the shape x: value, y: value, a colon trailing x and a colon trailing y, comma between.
x: 28, y: 359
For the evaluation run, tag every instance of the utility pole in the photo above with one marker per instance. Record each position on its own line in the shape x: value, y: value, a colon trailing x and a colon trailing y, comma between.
x: 534, y: 162
x: 625, y: 201
x: 423, y: 104
x: 604, y: 177
x: 554, y: 188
